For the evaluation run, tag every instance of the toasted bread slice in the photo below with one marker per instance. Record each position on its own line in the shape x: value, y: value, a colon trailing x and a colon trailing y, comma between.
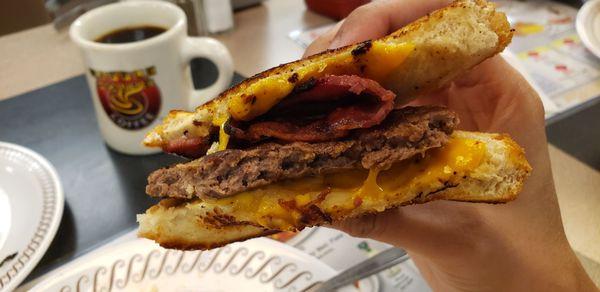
x: 473, y: 167
x: 418, y: 58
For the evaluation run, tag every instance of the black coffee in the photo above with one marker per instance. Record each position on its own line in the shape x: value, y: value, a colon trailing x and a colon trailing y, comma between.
x: 130, y: 34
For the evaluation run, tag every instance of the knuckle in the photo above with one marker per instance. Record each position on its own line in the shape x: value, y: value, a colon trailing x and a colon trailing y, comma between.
x: 538, y: 106
x: 362, y: 11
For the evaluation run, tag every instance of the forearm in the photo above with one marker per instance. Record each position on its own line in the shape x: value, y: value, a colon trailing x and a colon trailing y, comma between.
x: 555, y: 269
x: 550, y: 268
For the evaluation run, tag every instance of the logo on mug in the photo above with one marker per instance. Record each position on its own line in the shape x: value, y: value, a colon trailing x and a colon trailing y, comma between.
x: 130, y: 99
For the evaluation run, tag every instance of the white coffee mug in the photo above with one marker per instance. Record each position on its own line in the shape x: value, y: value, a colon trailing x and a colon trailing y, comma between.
x: 135, y: 84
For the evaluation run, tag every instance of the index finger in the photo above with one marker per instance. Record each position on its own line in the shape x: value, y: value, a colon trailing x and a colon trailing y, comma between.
x: 374, y: 20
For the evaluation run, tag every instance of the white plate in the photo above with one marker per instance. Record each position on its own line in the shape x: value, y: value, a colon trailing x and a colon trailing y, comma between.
x: 140, y: 265
x: 588, y: 26
x: 31, y: 206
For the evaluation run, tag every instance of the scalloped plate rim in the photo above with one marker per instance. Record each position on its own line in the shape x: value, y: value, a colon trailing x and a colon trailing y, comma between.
x: 82, y: 265
x: 588, y: 35
x: 55, y: 212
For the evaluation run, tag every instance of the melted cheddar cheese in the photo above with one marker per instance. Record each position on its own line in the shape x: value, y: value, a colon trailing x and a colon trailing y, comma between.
x: 260, y: 96
x: 280, y: 206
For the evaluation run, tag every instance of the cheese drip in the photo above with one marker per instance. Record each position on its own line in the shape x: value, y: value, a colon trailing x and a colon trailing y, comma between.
x: 220, y: 119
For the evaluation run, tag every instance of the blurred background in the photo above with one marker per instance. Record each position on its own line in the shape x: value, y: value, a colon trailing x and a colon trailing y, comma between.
x: 20, y: 15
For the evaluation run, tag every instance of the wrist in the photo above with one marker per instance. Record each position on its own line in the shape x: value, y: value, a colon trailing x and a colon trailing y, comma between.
x: 552, y: 266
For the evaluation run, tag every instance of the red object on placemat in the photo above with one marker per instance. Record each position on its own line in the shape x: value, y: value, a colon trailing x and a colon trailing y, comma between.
x: 336, y: 9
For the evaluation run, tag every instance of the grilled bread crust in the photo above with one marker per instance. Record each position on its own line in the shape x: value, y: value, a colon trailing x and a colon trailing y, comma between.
x: 447, y: 43
x: 183, y: 224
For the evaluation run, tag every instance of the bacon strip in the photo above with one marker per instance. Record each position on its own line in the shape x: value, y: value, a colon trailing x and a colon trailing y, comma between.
x: 191, y: 147
x: 371, y: 104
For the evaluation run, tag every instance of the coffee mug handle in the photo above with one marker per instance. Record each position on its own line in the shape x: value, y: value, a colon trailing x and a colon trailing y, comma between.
x: 216, y: 52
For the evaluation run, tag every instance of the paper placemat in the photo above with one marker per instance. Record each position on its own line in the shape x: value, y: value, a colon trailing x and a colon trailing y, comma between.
x: 340, y: 251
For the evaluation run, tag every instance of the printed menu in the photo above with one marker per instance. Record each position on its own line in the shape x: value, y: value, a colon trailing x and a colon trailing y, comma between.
x: 547, y: 45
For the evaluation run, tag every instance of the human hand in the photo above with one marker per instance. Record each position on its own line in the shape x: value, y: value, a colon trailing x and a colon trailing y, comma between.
x: 459, y: 246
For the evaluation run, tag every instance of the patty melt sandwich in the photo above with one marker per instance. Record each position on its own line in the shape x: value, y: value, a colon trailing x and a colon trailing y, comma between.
x: 329, y: 137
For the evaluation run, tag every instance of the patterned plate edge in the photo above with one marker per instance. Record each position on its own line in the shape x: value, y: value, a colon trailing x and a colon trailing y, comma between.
x: 150, y: 263
x: 52, y: 210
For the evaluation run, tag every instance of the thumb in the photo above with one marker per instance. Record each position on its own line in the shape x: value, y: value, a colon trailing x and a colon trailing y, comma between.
x: 420, y: 228
x: 381, y: 226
